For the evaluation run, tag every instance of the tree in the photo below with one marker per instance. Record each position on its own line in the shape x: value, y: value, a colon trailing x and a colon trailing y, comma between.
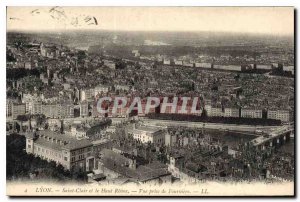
x: 81, y: 55
x: 19, y: 164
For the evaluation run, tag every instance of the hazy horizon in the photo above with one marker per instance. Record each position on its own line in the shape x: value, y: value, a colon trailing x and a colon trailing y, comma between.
x: 271, y: 21
x: 146, y: 31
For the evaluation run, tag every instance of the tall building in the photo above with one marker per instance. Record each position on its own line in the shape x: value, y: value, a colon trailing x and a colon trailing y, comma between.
x: 66, y: 109
x: 231, y: 112
x: 84, y: 108
x: 251, y: 113
x: 55, y: 110
x: 283, y: 115
x: 37, y: 108
x: 29, y: 100
x: 101, y: 89
x: 50, y: 110
x: 18, y: 109
x: 216, y: 111
x: 208, y: 109
x: 9, y: 105
x: 43, y: 50
x: 87, y: 94
x: 170, y: 140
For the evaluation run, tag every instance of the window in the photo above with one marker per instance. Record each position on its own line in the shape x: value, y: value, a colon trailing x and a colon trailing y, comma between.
x: 29, y: 146
x: 66, y: 158
x: 81, y: 156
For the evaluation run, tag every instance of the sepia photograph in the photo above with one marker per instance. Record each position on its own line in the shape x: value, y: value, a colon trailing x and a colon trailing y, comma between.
x: 150, y: 101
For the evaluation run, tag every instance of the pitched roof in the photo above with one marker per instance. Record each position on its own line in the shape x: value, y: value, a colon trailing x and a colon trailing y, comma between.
x: 69, y: 142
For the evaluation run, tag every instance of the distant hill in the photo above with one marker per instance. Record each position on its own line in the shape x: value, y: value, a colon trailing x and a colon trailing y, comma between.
x: 193, y: 39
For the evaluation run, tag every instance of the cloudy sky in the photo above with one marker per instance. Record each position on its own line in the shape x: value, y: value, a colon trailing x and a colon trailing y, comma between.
x: 263, y: 20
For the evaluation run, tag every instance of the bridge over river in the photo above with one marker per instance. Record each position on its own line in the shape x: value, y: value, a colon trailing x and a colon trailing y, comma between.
x: 276, y: 137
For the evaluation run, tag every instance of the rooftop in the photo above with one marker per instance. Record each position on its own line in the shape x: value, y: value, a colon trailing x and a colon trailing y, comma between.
x: 59, y: 141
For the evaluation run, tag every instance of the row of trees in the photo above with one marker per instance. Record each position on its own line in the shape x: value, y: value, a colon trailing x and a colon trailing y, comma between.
x: 19, y: 73
x: 206, y: 119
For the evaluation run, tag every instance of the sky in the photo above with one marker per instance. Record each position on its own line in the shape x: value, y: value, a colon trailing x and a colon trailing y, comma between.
x: 258, y: 20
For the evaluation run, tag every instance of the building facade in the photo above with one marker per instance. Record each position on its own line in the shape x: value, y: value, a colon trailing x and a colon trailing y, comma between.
x: 62, y: 149
x: 251, y: 113
x: 147, y: 134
